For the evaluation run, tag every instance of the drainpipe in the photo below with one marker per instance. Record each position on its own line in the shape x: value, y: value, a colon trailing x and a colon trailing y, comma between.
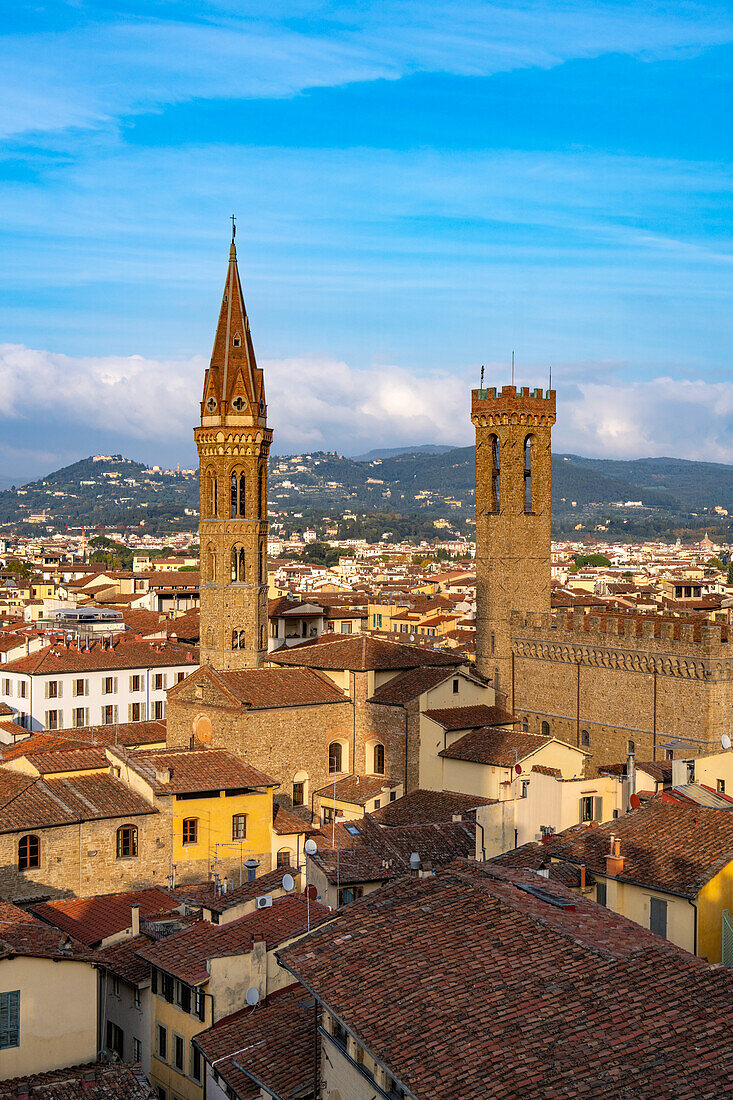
x: 694, y: 927
x: 404, y: 789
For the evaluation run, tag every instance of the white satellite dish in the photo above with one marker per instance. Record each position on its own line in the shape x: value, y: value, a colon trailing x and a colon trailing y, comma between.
x: 726, y: 741
x: 252, y: 996
x: 288, y: 883
x: 310, y: 847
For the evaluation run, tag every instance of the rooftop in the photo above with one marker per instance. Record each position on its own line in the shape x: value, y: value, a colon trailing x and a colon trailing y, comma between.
x: 186, y: 771
x: 500, y: 747
x: 94, y: 1081
x: 465, y: 718
x: 94, y: 919
x: 34, y: 802
x: 422, y: 807
x: 359, y: 653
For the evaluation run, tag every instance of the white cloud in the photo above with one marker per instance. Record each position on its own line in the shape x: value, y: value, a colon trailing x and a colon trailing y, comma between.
x: 145, y: 407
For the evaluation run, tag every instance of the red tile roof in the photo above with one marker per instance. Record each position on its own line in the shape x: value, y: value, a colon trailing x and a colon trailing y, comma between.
x: 267, y: 688
x: 422, y: 807
x: 89, y: 1082
x: 673, y: 848
x: 122, y: 959
x: 285, y: 824
x: 204, y: 893
x: 465, y: 718
x: 84, y: 758
x: 358, y: 789
x: 496, y: 991
x: 57, y: 658
x: 92, y: 920
x: 410, y: 685
x: 359, y: 653
x: 23, y: 934
x: 33, y: 802
x: 272, y: 1044
x: 500, y: 747
x: 186, y: 771
x: 184, y: 954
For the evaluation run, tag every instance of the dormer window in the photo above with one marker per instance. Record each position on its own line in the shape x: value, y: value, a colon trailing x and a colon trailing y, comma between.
x: 237, y: 340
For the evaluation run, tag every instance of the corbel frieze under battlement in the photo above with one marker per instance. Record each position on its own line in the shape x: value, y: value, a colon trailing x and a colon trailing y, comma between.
x: 688, y: 668
x: 493, y: 420
x: 232, y: 444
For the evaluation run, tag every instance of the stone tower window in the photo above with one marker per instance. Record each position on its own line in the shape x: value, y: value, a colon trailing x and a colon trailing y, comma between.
x: 211, y: 404
x: 238, y: 404
x: 261, y: 492
x: 335, y: 756
x: 525, y: 724
x: 495, y: 495
x: 545, y: 729
x: 585, y: 739
x: 213, y: 494
x: 238, y: 639
x: 528, y: 444
x: 263, y: 565
x: 238, y: 563
x: 379, y: 759
x: 237, y: 494
x: 237, y: 340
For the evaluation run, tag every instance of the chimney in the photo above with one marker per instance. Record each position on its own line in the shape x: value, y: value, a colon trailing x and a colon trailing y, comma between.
x: 163, y: 775
x: 582, y: 876
x: 135, y: 925
x: 614, y: 859
x: 251, y: 865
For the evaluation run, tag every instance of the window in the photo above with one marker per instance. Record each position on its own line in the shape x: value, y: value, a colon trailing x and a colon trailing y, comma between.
x: 239, y: 827
x: 339, y: 1033
x: 529, y: 441
x: 157, y: 710
x: 298, y: 794
x: 161, y: 1042
x: 137, y: 1050
x: 160, y: 1092
x: 658, y: 916
x: 22, y: 689
x: 669, y: 754
x: 393, y: 796
x: 238, y: 639
x: 190, y: 830
x: 335, y: 754
x: 493, y: 643
x: 10, y: 1019
x: 263, y: 569
x: 455, y: 687
x: 237, y: 495
x: 29, y: 852
x: 134, y: 712
x: 115, y: 1039
x: 109, y: 685
x: 136, y: 683
x: 80, y: 687
x: 545, y: 729
x: 525, y: 724
x: 126, y: 841
x: 261, y: 492
x: 115, y: 986
x: 377, y: 803
x: 180, y: 676
x: 237, y: 340
x: 327, y: 814
x: 349, y: 894
x: 495, y: 499
x: 283, y: 857
x: 109, y: 715
x: 601, y: 893
x: 196, y: 1065
x: 586, y: 808
x: 213, y: 494
x: 138, y: 998
x: 158, y: 681
x: 584, y: 738
x: 53, y: 689
x: 79, y: 717
x: 525, y: 788
x: 238, y: 565
x: 7, y: 687
x: 346, y: 628
x: 720, y: 786
x: 178, y: 1052
x: 632, y: 748
x: 379, y: 759
x: 53, y: 719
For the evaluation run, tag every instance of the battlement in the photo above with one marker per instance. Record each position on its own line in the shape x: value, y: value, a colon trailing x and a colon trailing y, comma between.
x: 512, y: 406
x: 607, y: 630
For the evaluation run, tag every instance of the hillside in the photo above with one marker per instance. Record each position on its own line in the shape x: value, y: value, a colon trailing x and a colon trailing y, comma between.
x: 109, y: 490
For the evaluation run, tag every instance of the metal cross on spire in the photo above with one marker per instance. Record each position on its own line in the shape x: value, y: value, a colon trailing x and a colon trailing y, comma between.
x: 234, y: 227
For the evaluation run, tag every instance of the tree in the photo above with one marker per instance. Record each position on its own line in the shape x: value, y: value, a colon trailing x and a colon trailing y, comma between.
x: 22, y: 568
x: 716, y: 563
x: 591, y: 559
x: 730, y: 573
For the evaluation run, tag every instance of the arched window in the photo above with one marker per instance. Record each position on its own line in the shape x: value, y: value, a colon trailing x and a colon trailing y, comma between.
x: 632, y: 748
x: 528, y: 444
x: 335, y: 756
x: 237, y: 487
x: 29, y: 852
x: 283, y: 857
x: 525, y: 724
x: 239, y: 639
x: 261, y: 493
x: 238, y: 563
x: 584, y: 739
x: 545, y: 729
x: 190, y: 830
x: 239, y: 827
x: 263, y: 566
x: 379, y: 759
x: 212, y: 493
x: 126, y: 841
x: 300, y: 788
x: 495, y: 473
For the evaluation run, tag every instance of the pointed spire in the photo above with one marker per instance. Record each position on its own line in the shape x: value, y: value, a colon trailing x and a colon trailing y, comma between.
x: 234, y: 383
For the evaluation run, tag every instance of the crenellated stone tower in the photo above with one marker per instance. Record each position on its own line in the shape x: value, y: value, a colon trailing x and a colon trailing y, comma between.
x: 233, y: 443
x: 513, y: 455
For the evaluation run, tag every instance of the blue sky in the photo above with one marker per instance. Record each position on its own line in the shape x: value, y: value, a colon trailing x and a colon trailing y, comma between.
x: 420, y: 188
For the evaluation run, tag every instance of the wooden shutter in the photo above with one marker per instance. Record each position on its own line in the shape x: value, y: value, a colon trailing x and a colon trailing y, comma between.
x: 598, y: 808
x: 658, y: 916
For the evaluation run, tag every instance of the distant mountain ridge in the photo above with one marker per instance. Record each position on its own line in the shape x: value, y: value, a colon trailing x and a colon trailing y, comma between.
x: 393, y: 452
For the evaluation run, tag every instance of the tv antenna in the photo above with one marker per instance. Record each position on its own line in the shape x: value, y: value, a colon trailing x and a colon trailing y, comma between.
x: 481, y: 383
x: 512, y: 368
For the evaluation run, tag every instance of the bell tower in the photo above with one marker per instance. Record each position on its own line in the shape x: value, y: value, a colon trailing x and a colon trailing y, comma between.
x: 233, y: 442
x: 513, y: 513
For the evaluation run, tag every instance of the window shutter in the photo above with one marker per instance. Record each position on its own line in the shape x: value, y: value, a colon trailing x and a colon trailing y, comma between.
x: 60, y: 692
x: 86, y: 716
x: 131, y: 687
x: 47, y: 690
x: 598, y: 808
x: 142, y: 712
x: 115, y: 713
x: 114, y: 685
x: 129, y: 712
x: 86, y: 687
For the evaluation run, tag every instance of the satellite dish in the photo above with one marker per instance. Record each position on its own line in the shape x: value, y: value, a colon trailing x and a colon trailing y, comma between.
x: 310, y: 847
x: 725, y: 741
x: 311, y: 892
x: 518, y: 769
x: 288, y: 883
x: 252, y: 996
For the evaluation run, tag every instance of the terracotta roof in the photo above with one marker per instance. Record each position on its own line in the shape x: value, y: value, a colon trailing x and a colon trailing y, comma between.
x: 38, y: 743
x: 534, y: 857
x: 23, y: 934
x: 57, y: 658
x: 184, y: 771
x: 122, y: 958
x: 410, y: 685
x: 359, y: 653
x: 422, y: 807
x: 660, y: 770
x: 358, y: 789
x: 94, y: 1081
x: 92, y: 920
x: 267, y: 688
x: 184, y: 954
x: 500, y: 747
x: 284, y: 823
x: 272, y: 1045
x: 10, y: 641
x: 669, y: 847
x: 32, y: 802
x: 465, y: 718
x: 84, y: 758
x: 186, y: 626
x: 496, y: 991
x: 204, y: 893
